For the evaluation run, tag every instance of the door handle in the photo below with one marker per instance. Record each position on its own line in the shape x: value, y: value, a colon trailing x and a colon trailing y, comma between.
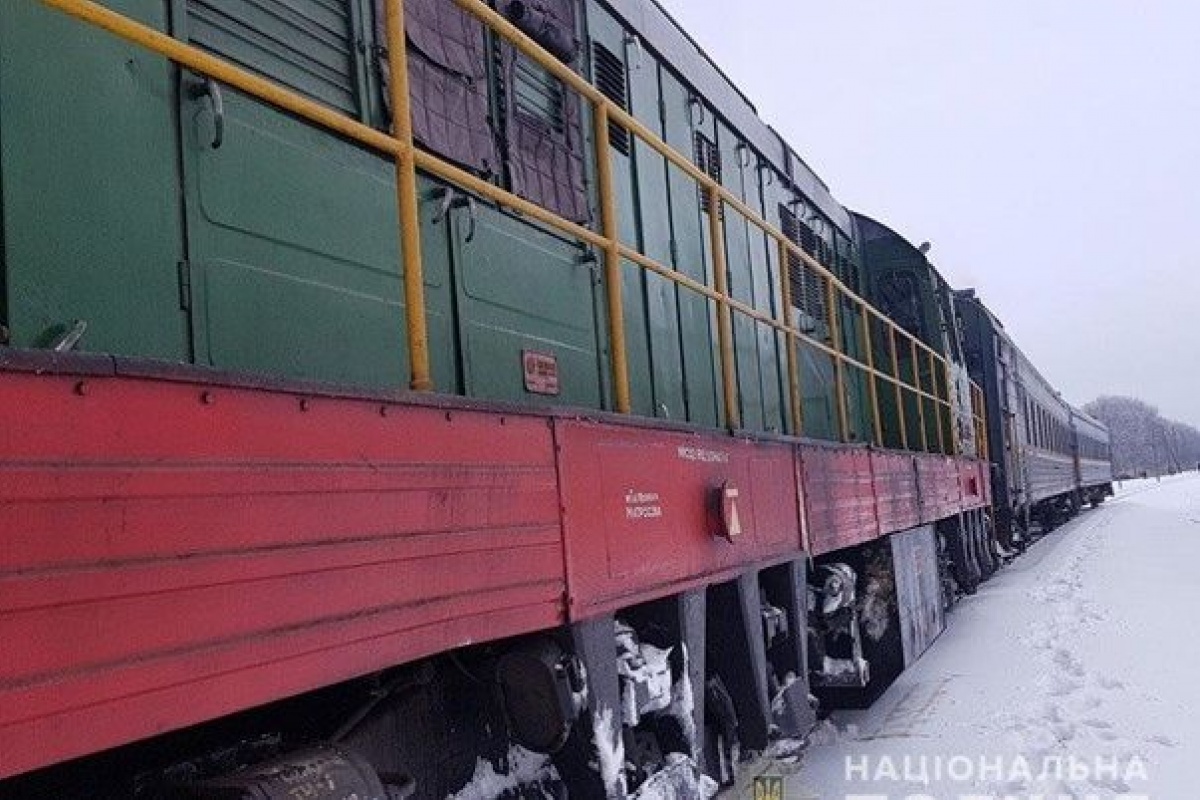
x: 445, y: 197
x: 470, y: 203
x: 212, y: 90
x: 448, y: 199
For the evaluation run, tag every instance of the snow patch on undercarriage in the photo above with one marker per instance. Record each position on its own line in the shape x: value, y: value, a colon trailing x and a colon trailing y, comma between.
x: 519, y: 767
x: 679, y: 779
x: 610, y: 750
x: 683, y: 700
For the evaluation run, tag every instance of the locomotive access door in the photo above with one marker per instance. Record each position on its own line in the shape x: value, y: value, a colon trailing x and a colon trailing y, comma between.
x: 525, y: 302
x: 293, y: 254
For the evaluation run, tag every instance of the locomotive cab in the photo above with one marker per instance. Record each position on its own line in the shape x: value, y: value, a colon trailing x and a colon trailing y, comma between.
x: 901, y: 282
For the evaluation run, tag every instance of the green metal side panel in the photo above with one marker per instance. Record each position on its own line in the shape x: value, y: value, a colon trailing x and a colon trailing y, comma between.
x: 817, y: 393
x: 861, y: 413
x: 519, y: 289
x: 741, y: 285
x: 689, y: 230
x: 912, y: 406
x: 653, y: 206
x: 889, y: 414
x: 88, y: 158
x: 294, y: 252
x: 775, y: 194
x: 858, y: 404
x: 633, y: 292
x: 606, y: 30
x: 764, y: 258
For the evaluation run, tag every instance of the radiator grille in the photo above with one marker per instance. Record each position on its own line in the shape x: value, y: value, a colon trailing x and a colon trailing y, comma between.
x: 611, y: 80
x: 307, y: 45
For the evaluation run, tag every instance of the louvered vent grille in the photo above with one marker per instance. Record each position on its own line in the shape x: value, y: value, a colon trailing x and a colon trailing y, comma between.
x: 538, y: 94
x: 308, y: 45
x: 708, y: 159
x: 611, y: 81
x: 807, y: 287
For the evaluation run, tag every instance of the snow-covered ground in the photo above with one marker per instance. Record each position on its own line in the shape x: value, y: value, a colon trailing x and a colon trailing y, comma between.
x: 1071, y: 674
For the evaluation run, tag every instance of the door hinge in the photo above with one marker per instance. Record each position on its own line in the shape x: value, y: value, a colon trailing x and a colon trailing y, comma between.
x: 185, y: 285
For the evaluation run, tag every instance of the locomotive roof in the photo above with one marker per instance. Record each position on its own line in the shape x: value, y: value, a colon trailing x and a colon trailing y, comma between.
x: 666, y: 37
x: 872, y: 229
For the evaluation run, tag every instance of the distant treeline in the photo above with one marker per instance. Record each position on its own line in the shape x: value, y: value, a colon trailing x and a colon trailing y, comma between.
x: 1143, y: 440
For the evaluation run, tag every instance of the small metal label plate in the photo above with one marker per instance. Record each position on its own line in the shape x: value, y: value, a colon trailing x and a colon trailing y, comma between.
x: 541, y: 372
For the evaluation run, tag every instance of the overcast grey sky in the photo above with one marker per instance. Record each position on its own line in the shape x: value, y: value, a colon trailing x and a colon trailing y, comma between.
x: 1047, y: 142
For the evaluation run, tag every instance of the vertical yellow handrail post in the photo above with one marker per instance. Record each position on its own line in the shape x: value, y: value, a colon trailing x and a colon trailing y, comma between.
x: 612, y: 262
x: 980, y: 414
x: 940, y: 406
x: 983, y: 426
x: 406, y: 200
x: 716, y: 236
x: 787, y: 316
x: 979, y: 445
x: 835, y: 336
x: 975, y: 423
x: 899, y: 391
x: 951, y: 411
x: 872, y: 387
x: 916, y: 365
x: 983, y: 430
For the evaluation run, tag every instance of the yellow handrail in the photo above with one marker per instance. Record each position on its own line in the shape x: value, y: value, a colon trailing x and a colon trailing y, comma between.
x: 612, y: 266
x: 901, y: 413
x: 839, y: 363
x: 409, y: 159
x: 787, y: 313
x: 716, y: 234
x: 407, y: 204
x: 872, y: 382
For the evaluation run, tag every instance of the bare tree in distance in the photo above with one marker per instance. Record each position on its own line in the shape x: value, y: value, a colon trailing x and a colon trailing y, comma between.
x: 1143, y: 441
